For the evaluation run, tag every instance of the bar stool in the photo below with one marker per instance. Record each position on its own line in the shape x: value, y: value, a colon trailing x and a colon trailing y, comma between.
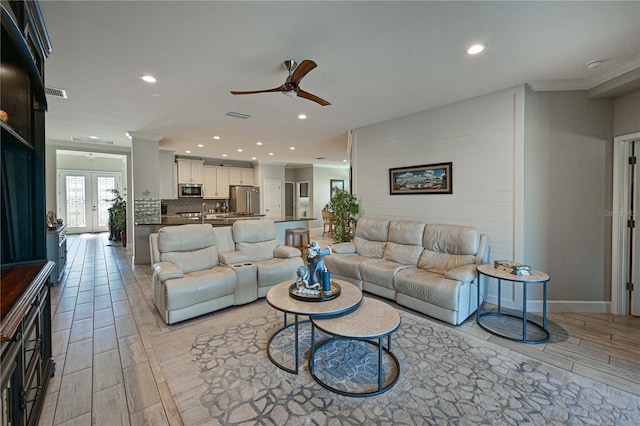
x: 291, y: 234
x: 327, y: 223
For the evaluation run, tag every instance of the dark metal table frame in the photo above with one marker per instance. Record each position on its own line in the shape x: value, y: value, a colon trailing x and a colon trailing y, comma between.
x: 536, y: 278
x: 381, y: 348
x: 296, y: 324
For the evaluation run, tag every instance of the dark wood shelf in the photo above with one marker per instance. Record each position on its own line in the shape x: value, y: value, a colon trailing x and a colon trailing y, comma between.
x: 7, y: 131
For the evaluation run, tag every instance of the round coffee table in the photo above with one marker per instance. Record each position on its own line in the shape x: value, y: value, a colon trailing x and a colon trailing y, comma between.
x: 279, y: 298
x: 373, y: 320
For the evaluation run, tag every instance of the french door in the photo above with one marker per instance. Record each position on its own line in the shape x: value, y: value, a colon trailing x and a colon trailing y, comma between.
x: 83, y: 201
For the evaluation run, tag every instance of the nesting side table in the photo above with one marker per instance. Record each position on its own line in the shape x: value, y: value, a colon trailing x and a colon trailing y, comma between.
x: 537, y: 277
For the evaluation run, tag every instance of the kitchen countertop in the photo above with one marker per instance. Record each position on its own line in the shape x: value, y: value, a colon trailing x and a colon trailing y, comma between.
x: 219, y: 219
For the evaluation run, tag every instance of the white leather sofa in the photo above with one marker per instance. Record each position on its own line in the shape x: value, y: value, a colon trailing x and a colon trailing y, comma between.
x: 429, y: 268
x: 198, y: 269
x: 256, y: 242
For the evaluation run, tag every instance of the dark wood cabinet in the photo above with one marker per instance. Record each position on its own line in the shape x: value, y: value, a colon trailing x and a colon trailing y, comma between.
x: 25, y: 314
x: 25, y: 343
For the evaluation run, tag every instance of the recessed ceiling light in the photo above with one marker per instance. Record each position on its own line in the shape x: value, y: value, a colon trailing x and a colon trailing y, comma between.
x: 595, y: 64
x: 271, y: 153
x: 302, y: 116
x: 200, y: 145
x: 253, y: 158
x: 188, y: 152
x: 224, y: 155
x: 475, y: 49
x: 239, y: 149
x: 148, y: 78
x: 292, y: 148
x: 216, y: 137
x: 344, y: 161
x: 258, y: 143
x: 93, y: 137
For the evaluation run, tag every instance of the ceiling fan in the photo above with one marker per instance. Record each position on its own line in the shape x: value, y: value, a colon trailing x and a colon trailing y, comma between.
x: 291, y: 86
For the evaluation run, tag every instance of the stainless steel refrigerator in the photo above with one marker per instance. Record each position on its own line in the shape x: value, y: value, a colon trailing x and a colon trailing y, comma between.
x: 244, y: 199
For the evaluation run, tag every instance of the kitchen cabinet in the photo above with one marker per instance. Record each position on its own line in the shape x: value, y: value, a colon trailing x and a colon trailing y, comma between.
x: 240, y: 176
x: 57, y: 252
x: 190, y: 171
x: 216, y: 182
x: 168, y: 176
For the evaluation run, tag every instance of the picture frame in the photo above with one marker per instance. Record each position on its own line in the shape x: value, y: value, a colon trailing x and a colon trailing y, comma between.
x: 335, y: 184
x: 424, y: 179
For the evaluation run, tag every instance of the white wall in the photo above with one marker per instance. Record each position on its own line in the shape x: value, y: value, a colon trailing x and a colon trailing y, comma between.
x: 626, y: 119
x: 533, y: 170
x: 568, y: 181
x: 480, y: 136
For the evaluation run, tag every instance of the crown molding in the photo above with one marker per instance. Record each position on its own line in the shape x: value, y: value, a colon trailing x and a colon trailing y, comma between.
x: 613, y: 71
x: 557, y: 85
x: 610, y: 73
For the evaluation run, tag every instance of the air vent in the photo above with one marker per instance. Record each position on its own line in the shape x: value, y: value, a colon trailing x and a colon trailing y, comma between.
x: 54, y: 91
x: 88, y: 140
x: 238, y: 115
x: 321, y: 158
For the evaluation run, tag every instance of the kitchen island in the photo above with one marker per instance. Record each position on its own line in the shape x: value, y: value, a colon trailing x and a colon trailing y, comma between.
x: 142, y: 231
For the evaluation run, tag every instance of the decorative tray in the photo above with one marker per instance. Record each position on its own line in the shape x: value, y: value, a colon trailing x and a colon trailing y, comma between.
x: 317, y: 295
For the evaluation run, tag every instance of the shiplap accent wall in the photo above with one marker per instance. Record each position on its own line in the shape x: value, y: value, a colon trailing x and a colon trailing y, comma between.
x: 483, y: 138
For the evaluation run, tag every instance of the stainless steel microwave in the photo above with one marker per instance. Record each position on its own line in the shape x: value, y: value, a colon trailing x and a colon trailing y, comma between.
x: 190, y: 190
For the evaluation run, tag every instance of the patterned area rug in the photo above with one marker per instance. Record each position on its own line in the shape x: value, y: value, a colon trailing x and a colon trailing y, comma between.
x: 218, y: 372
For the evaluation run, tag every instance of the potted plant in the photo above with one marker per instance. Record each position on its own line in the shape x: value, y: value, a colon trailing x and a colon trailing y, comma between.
x: 117, y: 217
x: 345, y: 208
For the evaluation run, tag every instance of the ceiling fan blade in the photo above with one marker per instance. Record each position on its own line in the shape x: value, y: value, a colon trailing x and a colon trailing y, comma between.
x: 302, y: 70
x: 275, y: 89
x: 311, y: 97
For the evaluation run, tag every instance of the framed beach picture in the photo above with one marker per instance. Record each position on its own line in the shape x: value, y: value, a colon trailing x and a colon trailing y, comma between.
x: 335, y: 185
x: 426, y: 179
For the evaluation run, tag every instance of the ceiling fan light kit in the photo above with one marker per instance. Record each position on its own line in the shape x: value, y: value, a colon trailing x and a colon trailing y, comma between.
x: 291, y: 86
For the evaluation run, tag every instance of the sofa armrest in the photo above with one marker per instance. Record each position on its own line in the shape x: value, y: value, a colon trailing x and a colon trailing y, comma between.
x: 464, y: 273
x: 167, y: 271
x: 344, y: 248
x: 285, y: 252
x: 232, y: 257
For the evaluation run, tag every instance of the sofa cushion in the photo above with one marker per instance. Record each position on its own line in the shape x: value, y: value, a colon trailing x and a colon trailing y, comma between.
x: 347, y: 265
x: 258, y: 251
x: 406, y: 232
x: 189, y: 261
x: 453, y: 239
x: 200, y: 286
x: 442, y: 262
x: 368, y: 248
x: 185, y: 237
x: 429, y: 287
x: 401, y: 253
x: 253, y: 231
x: 380, y: 272
x: 372, y: 229
x: 275, y: 271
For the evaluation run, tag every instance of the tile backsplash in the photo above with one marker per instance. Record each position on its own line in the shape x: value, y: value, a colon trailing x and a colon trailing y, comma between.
x: 182, y: 205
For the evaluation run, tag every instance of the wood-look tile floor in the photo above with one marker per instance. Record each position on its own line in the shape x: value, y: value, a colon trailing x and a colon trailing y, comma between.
x: 107, y: 372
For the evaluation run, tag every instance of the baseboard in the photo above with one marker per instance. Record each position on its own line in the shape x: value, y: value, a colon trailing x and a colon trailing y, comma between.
x: 601, y: 307
x: 578, y: 306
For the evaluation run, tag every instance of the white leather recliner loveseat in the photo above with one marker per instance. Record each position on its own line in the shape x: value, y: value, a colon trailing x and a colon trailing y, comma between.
x: 430, y: 268
x: 198, y: 269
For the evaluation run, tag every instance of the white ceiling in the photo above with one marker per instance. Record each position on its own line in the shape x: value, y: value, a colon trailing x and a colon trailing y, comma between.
x: 376, y: 61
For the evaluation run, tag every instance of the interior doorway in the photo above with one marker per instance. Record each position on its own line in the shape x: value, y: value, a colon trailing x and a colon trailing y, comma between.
x: 84, y: 196
x: 289, y: 198
x: 625, y: 248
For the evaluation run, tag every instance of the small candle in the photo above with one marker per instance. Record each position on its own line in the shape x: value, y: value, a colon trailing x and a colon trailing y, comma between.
x: 326, y: 281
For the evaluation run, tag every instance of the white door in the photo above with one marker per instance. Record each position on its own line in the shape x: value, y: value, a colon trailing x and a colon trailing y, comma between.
x: 634, y: 214
x: 83, y: 199
x: 272, y: 198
